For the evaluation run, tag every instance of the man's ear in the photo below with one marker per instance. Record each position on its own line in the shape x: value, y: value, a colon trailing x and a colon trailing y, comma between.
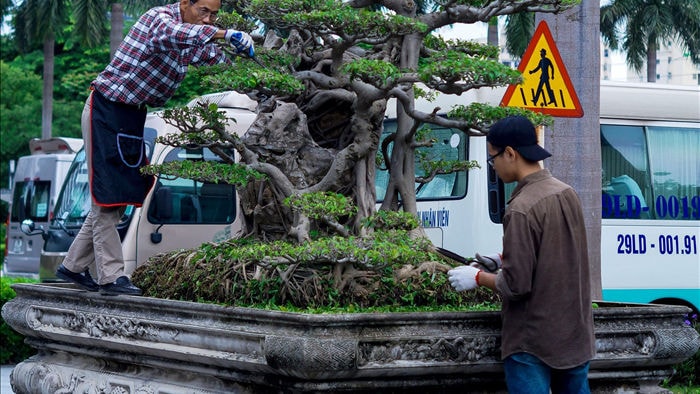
x: 511, y: 153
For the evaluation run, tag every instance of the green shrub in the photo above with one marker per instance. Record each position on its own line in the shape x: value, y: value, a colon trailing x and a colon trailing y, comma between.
x: 13, y: 348
x: 389, y: 269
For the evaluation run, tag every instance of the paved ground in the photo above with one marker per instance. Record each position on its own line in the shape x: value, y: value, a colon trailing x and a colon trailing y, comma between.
x: 5, y: 380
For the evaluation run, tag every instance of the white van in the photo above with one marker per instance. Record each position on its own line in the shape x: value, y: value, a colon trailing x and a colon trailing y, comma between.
x: 37, y: 181
x: 177, y: 213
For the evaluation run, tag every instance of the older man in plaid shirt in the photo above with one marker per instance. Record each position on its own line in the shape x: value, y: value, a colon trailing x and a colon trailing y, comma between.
x: 148, y: 67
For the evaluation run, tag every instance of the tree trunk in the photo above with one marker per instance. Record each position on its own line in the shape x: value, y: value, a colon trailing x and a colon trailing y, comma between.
x: 47, y: 97
x: 651, y: 61
x: 402, y: 173
x: 575, y: 142
x: 116, y: 28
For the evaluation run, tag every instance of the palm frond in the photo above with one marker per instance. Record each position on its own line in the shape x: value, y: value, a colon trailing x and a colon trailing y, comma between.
x: 519, y: 30
x: 90, y: 21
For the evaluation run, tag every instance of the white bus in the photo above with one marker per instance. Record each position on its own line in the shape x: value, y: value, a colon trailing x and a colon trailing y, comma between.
x: 650, y: 136
x: 650, y: 149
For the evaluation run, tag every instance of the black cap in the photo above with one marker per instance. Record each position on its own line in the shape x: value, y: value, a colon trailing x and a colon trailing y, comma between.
x: 518, y: 133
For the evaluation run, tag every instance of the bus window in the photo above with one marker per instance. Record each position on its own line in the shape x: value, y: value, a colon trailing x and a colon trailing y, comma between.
x: 675, y: 179
x: 191, y: 201
x: 650, y: 172
x: 449, y: 145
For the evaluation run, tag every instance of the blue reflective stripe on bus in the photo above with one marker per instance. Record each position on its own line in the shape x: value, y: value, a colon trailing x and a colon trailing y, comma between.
x: 691, y: 296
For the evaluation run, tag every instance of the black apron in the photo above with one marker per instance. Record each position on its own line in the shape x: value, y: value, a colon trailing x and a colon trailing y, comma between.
x: 118, y: 151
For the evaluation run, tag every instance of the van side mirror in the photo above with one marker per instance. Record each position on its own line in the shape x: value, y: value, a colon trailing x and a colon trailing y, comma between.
x: 164, y: 210
x: 28, y: 227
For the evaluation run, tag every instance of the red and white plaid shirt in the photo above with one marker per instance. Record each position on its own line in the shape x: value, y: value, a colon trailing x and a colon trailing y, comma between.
x: 152, y: 60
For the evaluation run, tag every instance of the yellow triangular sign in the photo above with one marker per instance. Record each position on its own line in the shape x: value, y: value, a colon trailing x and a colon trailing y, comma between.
x: 546, y: 86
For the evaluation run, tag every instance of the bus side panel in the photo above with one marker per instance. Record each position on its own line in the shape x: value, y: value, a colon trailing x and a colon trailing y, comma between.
x: 648, y: 261
x: 650, y: 233
x: 463, y: 226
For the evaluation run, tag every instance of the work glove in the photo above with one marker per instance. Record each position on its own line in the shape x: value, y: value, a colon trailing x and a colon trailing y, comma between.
x: 463, y: 277
x: 489, y: 263
x: 240, y: 41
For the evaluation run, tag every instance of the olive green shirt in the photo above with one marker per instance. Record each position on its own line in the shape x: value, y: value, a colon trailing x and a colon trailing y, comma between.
x: 545, y: 280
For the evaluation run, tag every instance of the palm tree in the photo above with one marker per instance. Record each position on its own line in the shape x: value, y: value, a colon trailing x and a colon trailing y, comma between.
x: 646, y: 24
x: 90, y: 19
x: 42, y: 21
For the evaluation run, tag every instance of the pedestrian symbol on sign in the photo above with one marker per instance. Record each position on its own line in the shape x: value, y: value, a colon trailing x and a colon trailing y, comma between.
x: 544, y: 67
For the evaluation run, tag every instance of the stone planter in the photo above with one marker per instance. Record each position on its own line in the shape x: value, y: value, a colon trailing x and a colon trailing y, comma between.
x: 89, y: 343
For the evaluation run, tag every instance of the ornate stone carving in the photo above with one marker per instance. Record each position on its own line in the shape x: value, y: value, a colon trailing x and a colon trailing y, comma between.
x: 60, y: 373
x: 93, y: 324
x: 429, y: 350
x: 93, y: 344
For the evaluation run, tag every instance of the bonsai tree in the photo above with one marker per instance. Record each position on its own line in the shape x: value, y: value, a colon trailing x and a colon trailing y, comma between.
x: 323, y: 75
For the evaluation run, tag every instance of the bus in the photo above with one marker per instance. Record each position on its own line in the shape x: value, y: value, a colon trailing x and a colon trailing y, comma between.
x: 650, y: 193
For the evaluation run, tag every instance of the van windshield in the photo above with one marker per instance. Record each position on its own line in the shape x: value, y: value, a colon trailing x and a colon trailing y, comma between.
x: 73, y: 203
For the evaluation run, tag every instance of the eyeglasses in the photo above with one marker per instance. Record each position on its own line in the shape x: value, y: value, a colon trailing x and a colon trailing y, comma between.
x: 205, y: 12
x: 492, y: 158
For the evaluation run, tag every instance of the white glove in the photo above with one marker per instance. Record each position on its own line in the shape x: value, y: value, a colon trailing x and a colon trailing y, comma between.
x: 464, y: 277
x: 241, y: 41
x: 489, y: 263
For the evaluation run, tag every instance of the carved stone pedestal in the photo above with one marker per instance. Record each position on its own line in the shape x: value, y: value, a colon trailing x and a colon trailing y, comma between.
x: 89, y: 343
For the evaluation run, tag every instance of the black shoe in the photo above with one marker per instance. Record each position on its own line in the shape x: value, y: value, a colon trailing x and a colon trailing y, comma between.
x: 83, y: 280
x: 120, y: 286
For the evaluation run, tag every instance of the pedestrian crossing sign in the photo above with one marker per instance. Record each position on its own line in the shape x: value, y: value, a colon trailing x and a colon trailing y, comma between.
x: 546, y: 87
